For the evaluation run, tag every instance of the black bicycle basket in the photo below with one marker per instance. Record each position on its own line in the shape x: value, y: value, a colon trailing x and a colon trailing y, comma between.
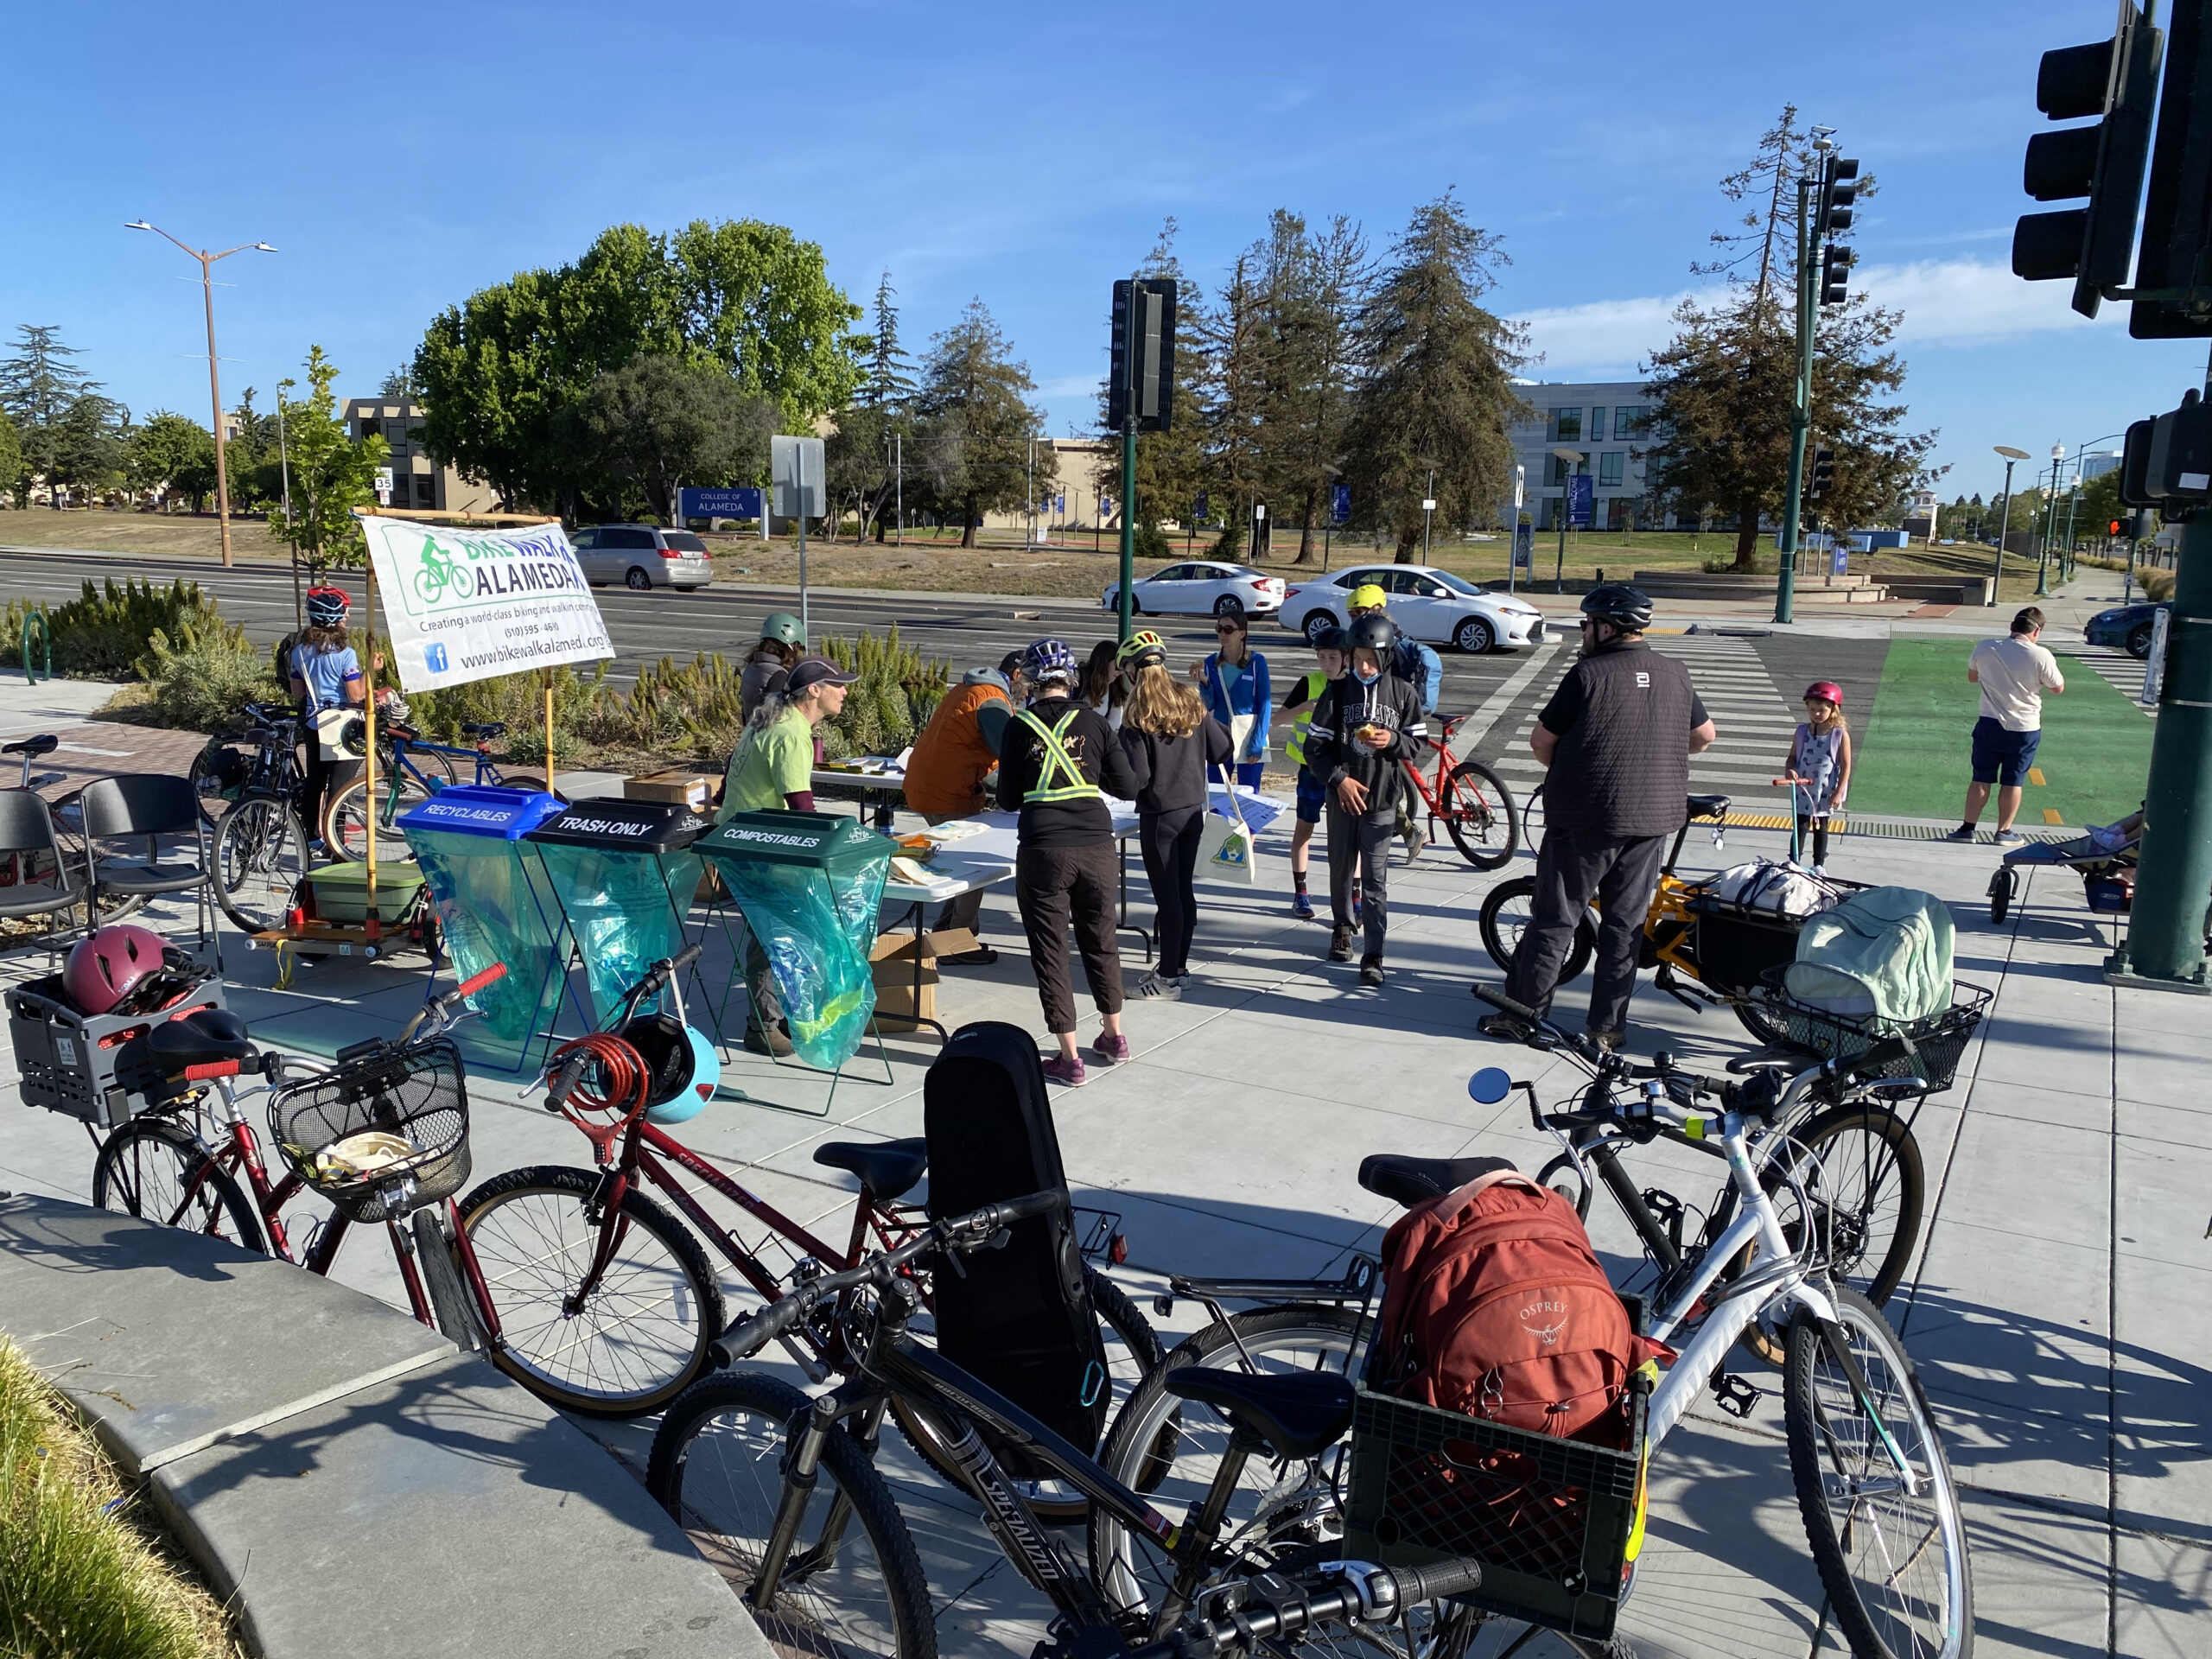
x: 1938, y: 1040
x: 417, y: 1093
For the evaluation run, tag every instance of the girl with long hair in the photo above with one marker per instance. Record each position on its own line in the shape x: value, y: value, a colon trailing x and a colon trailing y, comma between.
x: 1172, y: 744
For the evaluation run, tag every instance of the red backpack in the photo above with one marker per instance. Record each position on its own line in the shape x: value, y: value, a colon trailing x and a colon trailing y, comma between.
x: 1494, y: 1305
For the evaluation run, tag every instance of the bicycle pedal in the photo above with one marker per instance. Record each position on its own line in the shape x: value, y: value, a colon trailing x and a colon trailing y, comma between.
x: 1736, y: 1397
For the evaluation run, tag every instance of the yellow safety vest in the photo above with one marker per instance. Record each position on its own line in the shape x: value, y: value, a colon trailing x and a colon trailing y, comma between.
x: 1295, y: 749
x: 1060, y: 779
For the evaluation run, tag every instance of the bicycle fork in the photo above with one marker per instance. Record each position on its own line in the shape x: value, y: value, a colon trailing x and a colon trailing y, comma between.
x: 801, y: 1476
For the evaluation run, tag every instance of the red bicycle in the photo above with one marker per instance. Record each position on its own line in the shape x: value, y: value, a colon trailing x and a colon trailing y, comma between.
x: 1472, y: 802
x: 382, y: 1134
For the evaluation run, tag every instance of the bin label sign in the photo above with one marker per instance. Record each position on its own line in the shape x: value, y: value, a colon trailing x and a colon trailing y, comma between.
x: 467, y: 605
x: 65, y: 1050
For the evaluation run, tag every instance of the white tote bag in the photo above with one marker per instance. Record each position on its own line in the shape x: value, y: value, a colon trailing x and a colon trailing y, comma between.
x: 1226, y: 852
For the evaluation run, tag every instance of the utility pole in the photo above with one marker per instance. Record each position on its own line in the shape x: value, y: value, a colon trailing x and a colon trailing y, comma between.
x: 898, y: 472
x: 1141, y: 392
x: 2049, y: 524
x: 1428, y: 513
x: 2005, y: 525
x: 1570, y: 459
x: 1801, y: 411
x: 284, y: 469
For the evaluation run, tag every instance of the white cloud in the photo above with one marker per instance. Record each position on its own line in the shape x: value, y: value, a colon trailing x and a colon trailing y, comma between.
x: 1602, y: 340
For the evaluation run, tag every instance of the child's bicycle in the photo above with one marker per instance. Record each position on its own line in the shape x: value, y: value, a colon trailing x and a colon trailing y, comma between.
x: 382, y: 1134
x: 1470, y: 801
x: 409, y: 770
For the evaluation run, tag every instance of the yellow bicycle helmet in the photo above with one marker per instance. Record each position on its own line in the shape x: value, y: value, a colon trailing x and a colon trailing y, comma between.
x: 1142, y: 650
x: 1368, y: 597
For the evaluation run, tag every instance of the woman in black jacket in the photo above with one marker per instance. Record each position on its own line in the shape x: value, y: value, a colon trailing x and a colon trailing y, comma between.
x: 1172, y: 743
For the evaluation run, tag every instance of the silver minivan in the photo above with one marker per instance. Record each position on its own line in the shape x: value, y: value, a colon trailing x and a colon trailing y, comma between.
x: 640, y: 556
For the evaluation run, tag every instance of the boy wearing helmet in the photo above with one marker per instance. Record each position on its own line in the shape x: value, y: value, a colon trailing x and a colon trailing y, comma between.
x: 1058, y: 763
x: 1363, y: 727
x: 325, y: 674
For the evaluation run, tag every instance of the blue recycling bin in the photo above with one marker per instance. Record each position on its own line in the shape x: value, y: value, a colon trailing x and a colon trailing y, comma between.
x: 624, y: 875
x: 495, y: 905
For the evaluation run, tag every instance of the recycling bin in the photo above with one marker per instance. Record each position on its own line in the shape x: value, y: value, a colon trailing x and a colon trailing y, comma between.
x: 809, y: 885
x: 494, y: 906
x: 624, y: 875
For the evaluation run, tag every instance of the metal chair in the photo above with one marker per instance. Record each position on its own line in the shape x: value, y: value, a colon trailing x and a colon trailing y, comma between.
x: 33, y: 863
x: 148, y: 806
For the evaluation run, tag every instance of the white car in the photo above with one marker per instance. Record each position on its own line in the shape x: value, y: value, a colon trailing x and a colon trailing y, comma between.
x: 642, y: 556
x: 1199, y: 588
x: 1427, y: 603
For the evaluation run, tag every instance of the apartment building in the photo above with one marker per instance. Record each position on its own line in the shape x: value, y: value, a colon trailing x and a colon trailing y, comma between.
x: 1606, y: 422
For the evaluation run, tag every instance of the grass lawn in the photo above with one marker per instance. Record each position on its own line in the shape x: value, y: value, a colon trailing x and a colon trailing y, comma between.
x: 1912, y: 754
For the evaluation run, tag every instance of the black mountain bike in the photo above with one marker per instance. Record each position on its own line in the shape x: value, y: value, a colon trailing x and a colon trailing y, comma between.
x: 257, y: 800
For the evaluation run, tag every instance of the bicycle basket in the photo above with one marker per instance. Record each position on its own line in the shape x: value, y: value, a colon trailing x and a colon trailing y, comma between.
x: 1939, y: 1039
x: 406, y: 1116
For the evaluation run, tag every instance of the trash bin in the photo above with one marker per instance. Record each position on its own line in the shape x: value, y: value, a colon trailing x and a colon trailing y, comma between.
x: 624, y: 875
x: 494, y: 904
x: 810, y: 884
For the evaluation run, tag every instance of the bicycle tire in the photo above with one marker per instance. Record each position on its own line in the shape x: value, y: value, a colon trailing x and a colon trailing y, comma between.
x: 1161, y: 1444
x: 157, y: 1169
x: 345, y: 828
x: 716, y: 1467
x: 1496, y: 924
x: 450, y: 1299
x: 620, y: 1377
x: 1755, y: 1017
x: 1139, y: 1341
x: 1831, y: 1466
x: 261, y: 857
x: 214, y: 803
x: 1461, y: 824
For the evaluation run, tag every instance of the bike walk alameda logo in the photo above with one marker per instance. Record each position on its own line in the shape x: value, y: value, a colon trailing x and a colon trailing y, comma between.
x: 460, y: 571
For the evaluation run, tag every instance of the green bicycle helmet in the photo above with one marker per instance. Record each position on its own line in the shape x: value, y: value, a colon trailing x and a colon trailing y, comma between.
x: 1142, y: 650
x: 783, y: 627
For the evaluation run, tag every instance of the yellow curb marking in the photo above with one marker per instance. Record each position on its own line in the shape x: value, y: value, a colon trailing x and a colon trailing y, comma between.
x: 2051, y: 815
x: 2035, y: 776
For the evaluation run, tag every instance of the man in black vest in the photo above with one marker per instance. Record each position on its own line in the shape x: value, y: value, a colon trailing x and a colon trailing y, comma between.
x: 1617, y: 737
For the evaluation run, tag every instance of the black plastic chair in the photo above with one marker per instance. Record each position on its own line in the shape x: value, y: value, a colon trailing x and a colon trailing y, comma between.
x: 42, y: 883
x: 134, y: 806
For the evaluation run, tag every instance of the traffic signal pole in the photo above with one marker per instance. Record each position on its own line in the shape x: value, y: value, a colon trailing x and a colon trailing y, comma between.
x: 1128, y: 517
x: 1801, y: 415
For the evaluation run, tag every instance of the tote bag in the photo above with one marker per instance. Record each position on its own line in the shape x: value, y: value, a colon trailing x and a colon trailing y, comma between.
x: 1226, y: 852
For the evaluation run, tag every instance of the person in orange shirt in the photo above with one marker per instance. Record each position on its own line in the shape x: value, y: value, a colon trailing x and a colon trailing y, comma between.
x: 956, y: 751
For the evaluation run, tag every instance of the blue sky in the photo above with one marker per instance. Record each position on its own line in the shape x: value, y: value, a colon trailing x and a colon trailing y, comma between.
x: 402, y: 158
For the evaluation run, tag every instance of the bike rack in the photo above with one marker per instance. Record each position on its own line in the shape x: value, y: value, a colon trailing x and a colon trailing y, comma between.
x: 45, y: 668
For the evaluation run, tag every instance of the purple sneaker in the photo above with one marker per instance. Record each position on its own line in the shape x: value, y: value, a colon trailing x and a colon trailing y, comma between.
x: 1061, y: 1070
x: 1110, y: 1051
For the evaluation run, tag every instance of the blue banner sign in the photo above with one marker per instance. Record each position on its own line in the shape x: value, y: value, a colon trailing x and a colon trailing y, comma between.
x: 1340, y: 503
x: 718, y: 504
x: 1581, y: 500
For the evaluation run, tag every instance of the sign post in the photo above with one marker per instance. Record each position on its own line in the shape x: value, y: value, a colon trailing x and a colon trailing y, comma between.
x: 796, y: 466
x: 1513, y: 551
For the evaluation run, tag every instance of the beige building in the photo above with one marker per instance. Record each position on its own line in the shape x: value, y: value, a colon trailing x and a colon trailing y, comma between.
x: 1089, y: 468
x: 417, y: 481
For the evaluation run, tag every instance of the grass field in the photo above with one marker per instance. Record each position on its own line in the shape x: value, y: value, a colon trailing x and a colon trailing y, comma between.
x: 1913, y: 754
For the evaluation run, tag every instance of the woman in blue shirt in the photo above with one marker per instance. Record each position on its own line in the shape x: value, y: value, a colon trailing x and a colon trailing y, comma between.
x: 325, y: 674
x: 1234, y: 683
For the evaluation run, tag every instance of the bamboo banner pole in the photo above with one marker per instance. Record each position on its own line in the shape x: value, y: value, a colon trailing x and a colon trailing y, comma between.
x: 369, y: 709
x: 549, y: 790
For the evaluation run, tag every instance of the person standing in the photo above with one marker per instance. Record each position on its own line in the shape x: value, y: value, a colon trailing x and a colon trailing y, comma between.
x: 945, y: 773
x: 1104, y: 689
x: 324, y: 673
x: 1820, y: 766
x: 2014, y: 674
x: 1057, y: 766
x: 783, y: 642
x: 1172, y: 743
x: 1419, y: 667
x: 1298, y: 703
x: 1616, y: 741
x: 1365, y: 726
x: 1234, y: 681
x: 772, y: 770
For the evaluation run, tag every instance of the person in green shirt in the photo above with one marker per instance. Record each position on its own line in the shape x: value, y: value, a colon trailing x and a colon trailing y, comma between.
x: 772, y: 770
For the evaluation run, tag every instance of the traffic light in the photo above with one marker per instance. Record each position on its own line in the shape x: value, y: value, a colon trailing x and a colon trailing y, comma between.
x: 1823, y: 473
x: 1832, y: 212
x: 1141, y: 370
x: 2118, y: 81
x: 1835, y: 275
x: 2177, y: 211
x: 2167, y: 460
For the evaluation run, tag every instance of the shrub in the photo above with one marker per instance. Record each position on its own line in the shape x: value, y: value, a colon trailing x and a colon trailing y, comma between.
x: 102, y: 634
x: 897, y: 689
x: 197, y: 679
x: 519, y: 699
x: 1150, y: 542
x: 2156, y: 584
x: 1229, y: 547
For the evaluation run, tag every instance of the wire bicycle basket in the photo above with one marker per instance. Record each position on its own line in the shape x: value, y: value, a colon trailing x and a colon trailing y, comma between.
x: 382, y: 1137
x: 1936, y: 1042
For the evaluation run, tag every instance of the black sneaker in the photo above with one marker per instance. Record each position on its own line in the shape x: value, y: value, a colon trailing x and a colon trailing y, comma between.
x: 982, y: 956
x: 1964, y: 832
x: 1371, y: 972
x: 1340, y: 945
x: 770, y: 1042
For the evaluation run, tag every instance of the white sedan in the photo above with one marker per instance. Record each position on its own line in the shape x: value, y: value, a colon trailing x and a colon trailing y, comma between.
x: 1201, y: 588
x: 1427, y: 603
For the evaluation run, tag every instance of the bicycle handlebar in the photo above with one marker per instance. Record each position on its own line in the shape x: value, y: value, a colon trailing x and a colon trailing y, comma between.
x: 1262, y: 1609
x: 960, y: 1233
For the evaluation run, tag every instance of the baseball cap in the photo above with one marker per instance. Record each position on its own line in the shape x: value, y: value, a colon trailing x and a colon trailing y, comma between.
x: 815, y: 671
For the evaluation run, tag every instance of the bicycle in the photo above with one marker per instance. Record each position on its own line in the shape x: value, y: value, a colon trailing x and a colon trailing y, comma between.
x: 383, y: 1135
x: 409, y: 770
x: 609, y: 1302
x: 1472, y: 802
x: 260, y: 848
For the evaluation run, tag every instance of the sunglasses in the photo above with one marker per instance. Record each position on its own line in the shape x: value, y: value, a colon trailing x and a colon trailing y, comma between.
x: 1227, y: 628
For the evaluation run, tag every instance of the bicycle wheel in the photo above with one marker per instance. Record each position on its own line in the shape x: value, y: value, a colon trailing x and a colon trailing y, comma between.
x: 846, y: 1592
x: 1168, y: 1448
x: 639, y: 1339
x: 158, y: 1170
x: 1757, y: 1019
x: 1506, y: 918
x: 1133, y: 1348
x: 215, y: 795
x: 260, y: 858
x: 434, y: 1260
x: 1893, y: 1561
x: 1479, y: 814
x: 346, y: 827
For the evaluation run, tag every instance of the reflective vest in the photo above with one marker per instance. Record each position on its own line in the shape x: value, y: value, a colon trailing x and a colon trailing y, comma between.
x: 1295, y: 749
x: 1059, y: 778
x: 951, y: 760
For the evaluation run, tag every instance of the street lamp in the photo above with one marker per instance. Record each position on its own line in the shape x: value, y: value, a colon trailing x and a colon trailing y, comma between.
x: 1574, y: 459
x: 2049, y: 523
x: 214, y: 382
x: 2011, y: 457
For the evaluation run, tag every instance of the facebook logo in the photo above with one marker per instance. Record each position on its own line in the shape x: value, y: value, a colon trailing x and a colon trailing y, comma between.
x: 433, y: 658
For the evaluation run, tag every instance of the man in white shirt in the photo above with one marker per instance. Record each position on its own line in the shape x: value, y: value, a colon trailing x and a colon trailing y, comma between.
x: 2014, y: 674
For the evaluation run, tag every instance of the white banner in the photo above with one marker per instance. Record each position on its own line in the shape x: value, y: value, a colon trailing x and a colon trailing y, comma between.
x: 464, y: 604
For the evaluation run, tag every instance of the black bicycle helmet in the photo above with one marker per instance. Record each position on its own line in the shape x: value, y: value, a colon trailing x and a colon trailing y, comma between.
x: 1627, y: 608
x: 1373, y: 631
x: 663, y: 1045
x: 1330, y: 639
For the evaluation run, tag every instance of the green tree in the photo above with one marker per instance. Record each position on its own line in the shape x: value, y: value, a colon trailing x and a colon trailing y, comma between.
x: 86, y: 447
x: 1437, y: 389
x: 857, y: 453
x: 14, y: 476
x: 38, y: 386
x: 399, y: 383
x: 659, y: 421
x: 890, y: 380
x: 1310, y: 289
x: 174, y: 454
x: 496, y: 372
x: 331, y: 474
x: 975, y: 422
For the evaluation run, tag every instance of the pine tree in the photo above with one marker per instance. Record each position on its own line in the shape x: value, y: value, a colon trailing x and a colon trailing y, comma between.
x: 1310, y: 289
x: 38, y: 386
x: 975, y: 422
x: 890, y: 381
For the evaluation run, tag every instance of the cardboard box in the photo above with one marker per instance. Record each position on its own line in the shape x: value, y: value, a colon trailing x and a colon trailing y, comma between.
x: 683, y: 788
x: 892, y: 961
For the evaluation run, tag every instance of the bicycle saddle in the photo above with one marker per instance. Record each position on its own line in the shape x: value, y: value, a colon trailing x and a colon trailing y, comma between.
x: 1708, y: 806
x: 1410, y: 1181
x: 487, y: 729
x: 44, y: 743
x: 887, y: 1169
x: 1296, y: 1415
x: 199, y: 1038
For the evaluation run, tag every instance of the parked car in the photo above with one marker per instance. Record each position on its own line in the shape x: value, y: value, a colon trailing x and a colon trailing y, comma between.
x: 642, y: 556
x: 1427, y: 603
x: 1200, y: 587
x: 2127, y: 627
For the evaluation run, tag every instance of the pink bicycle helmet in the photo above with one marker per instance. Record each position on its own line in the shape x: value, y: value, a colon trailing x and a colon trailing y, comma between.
x: 1825, y: 690
x: 106, y: 966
